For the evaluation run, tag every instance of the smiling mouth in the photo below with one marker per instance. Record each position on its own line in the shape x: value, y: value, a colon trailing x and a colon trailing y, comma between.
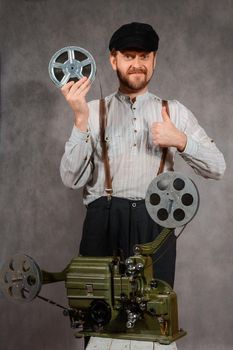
x: 136, y: 73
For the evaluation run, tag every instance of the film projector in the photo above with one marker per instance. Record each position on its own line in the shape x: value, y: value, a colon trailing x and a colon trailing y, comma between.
x: 111, y: 297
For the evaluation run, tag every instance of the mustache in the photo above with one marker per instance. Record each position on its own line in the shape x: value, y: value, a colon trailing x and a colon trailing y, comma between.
x: 137, y: 70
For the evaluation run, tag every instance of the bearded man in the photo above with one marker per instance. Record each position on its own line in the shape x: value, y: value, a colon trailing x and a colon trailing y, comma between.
x: 136, y: 130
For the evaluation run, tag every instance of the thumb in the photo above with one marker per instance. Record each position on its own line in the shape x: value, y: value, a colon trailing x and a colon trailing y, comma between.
x: 165, y: 116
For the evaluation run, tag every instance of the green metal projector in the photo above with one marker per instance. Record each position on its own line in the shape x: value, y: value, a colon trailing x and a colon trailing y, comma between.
x: 107, y: 297
x: 122, y: 300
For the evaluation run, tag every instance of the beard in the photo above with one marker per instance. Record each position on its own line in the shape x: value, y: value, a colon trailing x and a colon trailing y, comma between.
x: 132, y: 81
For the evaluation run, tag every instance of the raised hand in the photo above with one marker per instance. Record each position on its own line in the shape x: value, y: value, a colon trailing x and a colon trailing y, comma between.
x: 75, y: 95
x: 165, y: 133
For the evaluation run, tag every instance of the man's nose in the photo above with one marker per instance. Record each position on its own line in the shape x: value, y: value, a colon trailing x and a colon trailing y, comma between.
x: 137, y: 62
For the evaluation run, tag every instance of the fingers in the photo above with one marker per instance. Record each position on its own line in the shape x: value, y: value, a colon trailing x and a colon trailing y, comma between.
x: 165, y: 116
x: 81, y: 86
x: 75, y: 95
x: 66, y: 88
x: 155, y: 130
x: 157, y: 134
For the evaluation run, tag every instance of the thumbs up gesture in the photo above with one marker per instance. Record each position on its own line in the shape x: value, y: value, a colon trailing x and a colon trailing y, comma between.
x: 165, y: 133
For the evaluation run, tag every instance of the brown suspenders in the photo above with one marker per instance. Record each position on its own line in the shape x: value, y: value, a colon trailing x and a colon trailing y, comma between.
x: 103, y: 122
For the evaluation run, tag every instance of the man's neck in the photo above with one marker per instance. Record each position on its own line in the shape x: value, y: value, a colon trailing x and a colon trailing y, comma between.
x: 132, y: 93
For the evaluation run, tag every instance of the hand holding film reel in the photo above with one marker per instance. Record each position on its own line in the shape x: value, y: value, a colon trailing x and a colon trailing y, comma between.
x: 73, y: 69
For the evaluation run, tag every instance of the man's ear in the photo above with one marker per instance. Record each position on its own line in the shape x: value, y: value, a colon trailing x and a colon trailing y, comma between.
x: 112, y: 59
x: 155, y: 59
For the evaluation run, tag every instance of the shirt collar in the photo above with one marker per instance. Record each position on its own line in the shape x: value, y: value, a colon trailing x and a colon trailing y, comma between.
x: 125, y: 98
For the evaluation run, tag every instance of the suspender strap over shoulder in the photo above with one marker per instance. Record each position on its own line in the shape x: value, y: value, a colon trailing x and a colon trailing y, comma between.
x: 104, y: 146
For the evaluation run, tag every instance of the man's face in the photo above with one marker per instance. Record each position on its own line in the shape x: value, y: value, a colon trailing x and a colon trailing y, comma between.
x: 134, y: 68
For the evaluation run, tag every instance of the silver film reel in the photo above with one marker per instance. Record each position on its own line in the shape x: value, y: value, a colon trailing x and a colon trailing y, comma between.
x: 71, y: 63
x: 172, y: 199
x: 20, y: 278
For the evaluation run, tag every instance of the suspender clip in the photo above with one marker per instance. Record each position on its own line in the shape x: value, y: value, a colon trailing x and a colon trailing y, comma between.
x: 109, y: 193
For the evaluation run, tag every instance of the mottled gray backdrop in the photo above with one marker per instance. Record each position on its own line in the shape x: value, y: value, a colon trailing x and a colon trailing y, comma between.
x: 42, y: 218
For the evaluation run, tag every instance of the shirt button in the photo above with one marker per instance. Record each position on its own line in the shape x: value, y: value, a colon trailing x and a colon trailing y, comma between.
x: 135, y: 130
x: 135, y: 145
x: 134, y: 205
x: 134, y: 118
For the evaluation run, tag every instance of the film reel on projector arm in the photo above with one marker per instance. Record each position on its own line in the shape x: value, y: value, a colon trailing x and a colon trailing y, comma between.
x: 172, y: 199
x: 71, y: 63
x: 20, y: 278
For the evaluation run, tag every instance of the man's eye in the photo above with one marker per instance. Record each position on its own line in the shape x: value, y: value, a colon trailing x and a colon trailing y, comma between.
x: 128, y: 57
x: 144, y: 57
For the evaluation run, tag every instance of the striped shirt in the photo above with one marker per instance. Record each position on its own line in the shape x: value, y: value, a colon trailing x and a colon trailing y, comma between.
x: 134, y: 158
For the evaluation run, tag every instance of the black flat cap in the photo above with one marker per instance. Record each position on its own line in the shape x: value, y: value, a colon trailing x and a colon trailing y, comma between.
x: 134, y: 36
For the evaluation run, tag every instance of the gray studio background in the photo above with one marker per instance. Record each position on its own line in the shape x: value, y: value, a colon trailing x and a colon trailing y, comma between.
x: 42, y: 218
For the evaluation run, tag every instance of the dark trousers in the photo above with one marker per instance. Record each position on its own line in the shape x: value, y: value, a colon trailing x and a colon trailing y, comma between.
x: 119, y: 224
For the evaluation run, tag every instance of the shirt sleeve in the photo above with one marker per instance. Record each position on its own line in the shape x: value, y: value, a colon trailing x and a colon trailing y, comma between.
x: 200, y: 152
x: 76, y: 165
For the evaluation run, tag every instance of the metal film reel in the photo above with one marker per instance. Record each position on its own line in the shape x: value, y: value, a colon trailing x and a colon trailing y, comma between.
x: 172, y: 199
x: 20, y: 278
x: 71, y: 63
